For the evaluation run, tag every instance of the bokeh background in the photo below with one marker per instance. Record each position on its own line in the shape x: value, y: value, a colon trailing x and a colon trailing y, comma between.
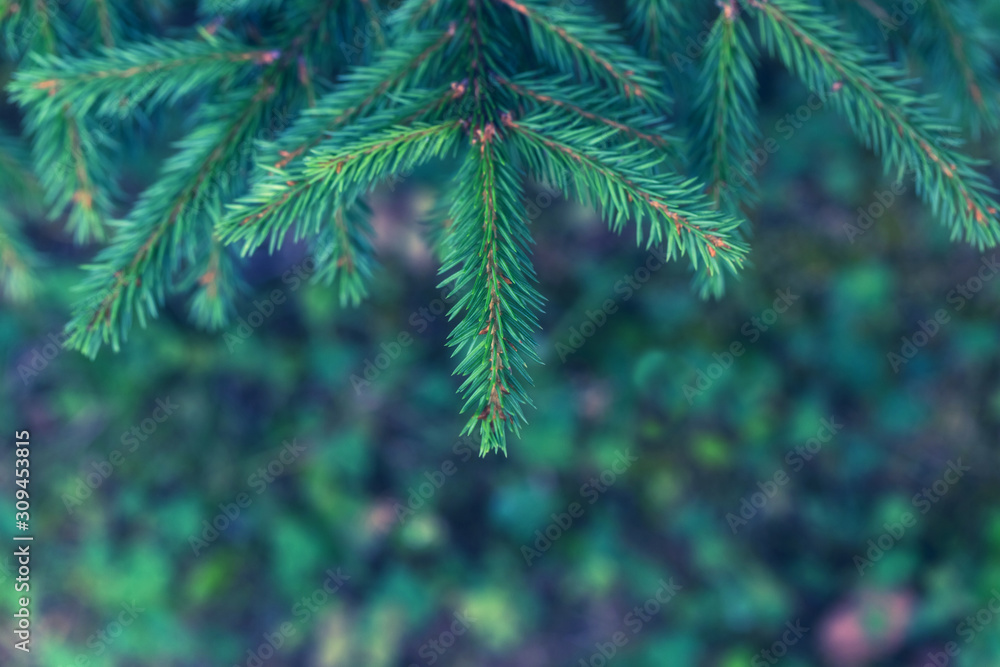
x: 380, y: 538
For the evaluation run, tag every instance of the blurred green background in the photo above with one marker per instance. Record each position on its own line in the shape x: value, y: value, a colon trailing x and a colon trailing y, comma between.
x: 648, y: 516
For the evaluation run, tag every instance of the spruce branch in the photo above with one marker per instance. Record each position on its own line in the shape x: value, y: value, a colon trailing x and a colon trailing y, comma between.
x: 317, y: 31
x: 904, y: 129
x: 225, y: 7
x: 375, y: 22
x: 727, y: 107
x: 658, y: 24
x: 588, y: 103
x: 332, y: 177
x: 416, y: 15
x: 174, y: 220
x: 151, y: 242
x: 869, y: 20
x: 215, y: 279
x: 954, y: 43
x: 507, y: 90
x: 346, y: 259
x: 359, y: 93
x: 157, y: 72
x: 70, y: 155
x: 577, y: 41
x: 34, y: 26
x: 623, y: 185
x: 61, y: 93
x: 106, y: 17
x: 72, y: 159
x: 488, y: 268
x: 367, y: 162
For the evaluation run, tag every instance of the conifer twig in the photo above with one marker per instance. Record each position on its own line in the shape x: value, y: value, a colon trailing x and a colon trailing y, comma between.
x: 889, y: 118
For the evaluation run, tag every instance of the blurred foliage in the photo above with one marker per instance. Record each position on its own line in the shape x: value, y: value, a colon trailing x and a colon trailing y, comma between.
x: 331, y: 560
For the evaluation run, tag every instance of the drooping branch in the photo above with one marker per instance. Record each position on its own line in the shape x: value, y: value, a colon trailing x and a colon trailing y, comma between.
x: 488, y: 267
x: 679, y: 216
x: 888, y: 117
x: 574, y: 39
x: 727, y: 109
